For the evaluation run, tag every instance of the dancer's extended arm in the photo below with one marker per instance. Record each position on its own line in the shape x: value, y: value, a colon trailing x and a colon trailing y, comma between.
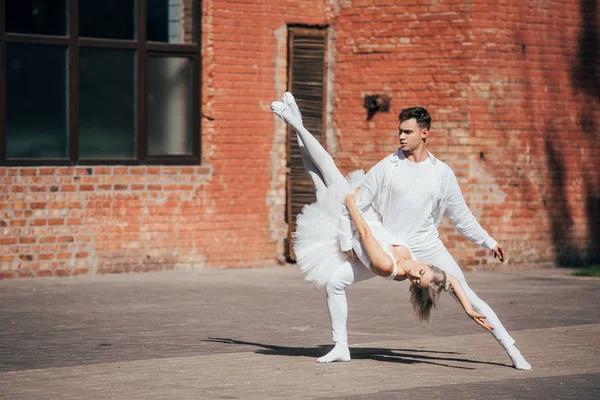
x: 381, y: 263
x: 370, y: 187
x: 460, y: 294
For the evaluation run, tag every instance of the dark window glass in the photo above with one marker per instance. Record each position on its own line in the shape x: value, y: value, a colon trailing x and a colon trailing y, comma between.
x: 170, y: 105
x: 96, y: 120
x: 42, y: 17
x: 36, y: 101
x: 107, y: 95
x: 172, y: 21
x: 107, y: 19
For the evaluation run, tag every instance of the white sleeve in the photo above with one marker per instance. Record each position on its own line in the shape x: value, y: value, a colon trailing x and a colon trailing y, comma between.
x: 463, y: 219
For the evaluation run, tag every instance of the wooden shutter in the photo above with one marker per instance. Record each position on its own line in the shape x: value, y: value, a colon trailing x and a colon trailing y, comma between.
x: 306, y: 81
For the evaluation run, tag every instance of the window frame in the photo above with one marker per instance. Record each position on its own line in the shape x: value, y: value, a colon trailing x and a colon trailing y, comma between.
x: 143, y: 50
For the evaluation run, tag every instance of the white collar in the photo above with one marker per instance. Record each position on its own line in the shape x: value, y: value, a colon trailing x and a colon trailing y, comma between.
x: 399, y: 155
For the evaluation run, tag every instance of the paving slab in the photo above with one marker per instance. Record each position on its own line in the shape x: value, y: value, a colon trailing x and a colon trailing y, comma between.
x: 255, y: 334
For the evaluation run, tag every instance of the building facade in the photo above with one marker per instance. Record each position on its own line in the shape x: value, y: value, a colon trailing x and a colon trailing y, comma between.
x: 137, y: 135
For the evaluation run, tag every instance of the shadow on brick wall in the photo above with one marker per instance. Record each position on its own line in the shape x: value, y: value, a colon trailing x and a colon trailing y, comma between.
x: 567, y: 253
x: 585, y: 79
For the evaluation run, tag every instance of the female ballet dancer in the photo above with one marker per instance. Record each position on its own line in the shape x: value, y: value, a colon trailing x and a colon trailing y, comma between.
x: 315, y: 239
x: 319, y: 255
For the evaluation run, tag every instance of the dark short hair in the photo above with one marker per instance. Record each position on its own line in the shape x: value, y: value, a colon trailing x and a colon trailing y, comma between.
x: 419, y: 113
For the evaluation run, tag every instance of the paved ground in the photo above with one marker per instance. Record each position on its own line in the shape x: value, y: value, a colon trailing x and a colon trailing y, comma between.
x: 255, y: 334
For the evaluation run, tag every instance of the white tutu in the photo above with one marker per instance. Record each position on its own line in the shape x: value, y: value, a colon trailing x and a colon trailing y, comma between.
x: 316, y: 239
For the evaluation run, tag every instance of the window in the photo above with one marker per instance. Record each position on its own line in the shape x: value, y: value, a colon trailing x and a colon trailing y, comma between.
x: 99, y: 82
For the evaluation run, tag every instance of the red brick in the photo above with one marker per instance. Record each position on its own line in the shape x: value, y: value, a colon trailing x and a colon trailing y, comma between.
x: 79, y: 271
x: 19, y: 206
x: 7, y: 274
x: 102, y: 170
x: 63, y: 256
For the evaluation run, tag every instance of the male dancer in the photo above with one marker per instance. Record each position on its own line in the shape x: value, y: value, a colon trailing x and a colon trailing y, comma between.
x: 412, y: 190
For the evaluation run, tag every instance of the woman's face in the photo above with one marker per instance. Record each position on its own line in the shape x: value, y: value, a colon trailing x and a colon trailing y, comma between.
x: 421, y: 276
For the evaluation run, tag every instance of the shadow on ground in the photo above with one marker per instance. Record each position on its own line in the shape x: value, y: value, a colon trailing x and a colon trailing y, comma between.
x: 402, y: 356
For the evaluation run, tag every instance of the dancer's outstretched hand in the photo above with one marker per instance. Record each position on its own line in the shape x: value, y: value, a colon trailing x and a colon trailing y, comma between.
x: 498, y: 252
x: 480, y: 320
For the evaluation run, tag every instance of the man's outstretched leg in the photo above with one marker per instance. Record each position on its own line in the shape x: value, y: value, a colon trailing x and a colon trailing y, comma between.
x: 349, y: 272
x: 444, y: 260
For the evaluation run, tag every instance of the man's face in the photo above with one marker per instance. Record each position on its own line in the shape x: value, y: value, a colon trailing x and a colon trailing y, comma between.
x: 411, y: 135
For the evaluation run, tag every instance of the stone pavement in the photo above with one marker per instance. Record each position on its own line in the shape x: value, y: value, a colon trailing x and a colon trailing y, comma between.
x: 255, y: 334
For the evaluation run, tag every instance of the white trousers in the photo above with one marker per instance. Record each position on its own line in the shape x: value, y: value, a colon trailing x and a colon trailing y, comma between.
x: 443, y: 260
x: 354, y: 271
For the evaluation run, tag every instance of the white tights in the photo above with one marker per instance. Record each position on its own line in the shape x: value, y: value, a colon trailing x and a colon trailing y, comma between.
x: 317, y: 162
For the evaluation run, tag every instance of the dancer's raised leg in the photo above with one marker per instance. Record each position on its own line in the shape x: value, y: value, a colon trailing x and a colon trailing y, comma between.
x: 309, y: 166
x: 324, y: 162
x: 444, y: 260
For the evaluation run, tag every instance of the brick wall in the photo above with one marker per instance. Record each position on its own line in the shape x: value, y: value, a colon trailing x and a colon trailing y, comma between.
x: 512, y: 87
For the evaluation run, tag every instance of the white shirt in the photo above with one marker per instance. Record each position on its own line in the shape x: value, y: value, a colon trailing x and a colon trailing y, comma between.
x: 412, y: 199
x: 410, y: 206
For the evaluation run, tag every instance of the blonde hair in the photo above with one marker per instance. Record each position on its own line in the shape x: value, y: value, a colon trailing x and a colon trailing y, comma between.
x: 423, y: 299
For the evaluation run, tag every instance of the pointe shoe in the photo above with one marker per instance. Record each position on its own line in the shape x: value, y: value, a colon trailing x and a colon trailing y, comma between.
x: 283, y: 111
x: 289, y: 100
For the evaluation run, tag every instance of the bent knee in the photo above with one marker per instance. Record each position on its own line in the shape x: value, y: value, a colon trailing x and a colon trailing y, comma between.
x: 335, y: 286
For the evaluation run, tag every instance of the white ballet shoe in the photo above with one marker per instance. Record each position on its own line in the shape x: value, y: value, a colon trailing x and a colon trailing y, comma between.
x: 519, y: 362
x: 340, y: 352
x: 284, y: 112
x: 289, y: 100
